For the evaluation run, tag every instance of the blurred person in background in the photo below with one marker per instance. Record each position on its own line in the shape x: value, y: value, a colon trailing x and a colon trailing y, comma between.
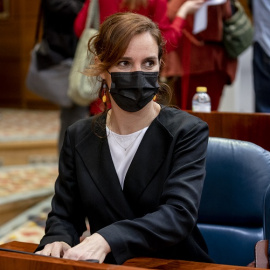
x: 261, y: 54
x: 200, y: 59
x: 58, y: 20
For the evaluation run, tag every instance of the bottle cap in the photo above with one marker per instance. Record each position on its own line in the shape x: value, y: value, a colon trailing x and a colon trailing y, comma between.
x: 201, y: 89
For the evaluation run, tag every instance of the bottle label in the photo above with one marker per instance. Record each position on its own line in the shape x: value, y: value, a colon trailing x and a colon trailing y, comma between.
x: 201, y: 107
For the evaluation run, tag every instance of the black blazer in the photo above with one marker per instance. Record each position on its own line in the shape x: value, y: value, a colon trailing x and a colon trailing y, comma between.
x: 156, y: 212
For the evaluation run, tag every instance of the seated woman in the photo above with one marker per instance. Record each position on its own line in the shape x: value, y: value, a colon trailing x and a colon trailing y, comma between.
x: 136, y: 171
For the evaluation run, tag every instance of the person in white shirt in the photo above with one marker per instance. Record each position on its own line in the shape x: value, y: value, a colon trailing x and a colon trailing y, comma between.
x: 136, y: 171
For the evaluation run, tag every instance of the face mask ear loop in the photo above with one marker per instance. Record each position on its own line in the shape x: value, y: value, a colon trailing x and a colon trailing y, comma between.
x: 107, y: 85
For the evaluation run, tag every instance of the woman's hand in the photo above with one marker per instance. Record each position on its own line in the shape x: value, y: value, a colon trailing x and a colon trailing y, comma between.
x: 55, y: 249
x: 189, y: 7
x: 92, y: 247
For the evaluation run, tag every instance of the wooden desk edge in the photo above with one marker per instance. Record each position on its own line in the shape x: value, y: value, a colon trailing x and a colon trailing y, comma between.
x: 12, y: 260
x: 132, y: 264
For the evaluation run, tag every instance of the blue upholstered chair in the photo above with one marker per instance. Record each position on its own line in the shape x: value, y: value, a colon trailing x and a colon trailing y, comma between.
x: 235, y: 207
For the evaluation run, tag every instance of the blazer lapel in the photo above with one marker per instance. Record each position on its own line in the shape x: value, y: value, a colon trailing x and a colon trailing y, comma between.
x: 147, y: 160
x: 96, y: 156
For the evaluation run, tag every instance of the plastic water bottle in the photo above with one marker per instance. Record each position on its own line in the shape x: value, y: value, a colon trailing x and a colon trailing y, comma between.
x: 201, y: 101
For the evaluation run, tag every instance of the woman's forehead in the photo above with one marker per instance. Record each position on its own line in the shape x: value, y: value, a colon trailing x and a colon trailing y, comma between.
x: 142, y: 45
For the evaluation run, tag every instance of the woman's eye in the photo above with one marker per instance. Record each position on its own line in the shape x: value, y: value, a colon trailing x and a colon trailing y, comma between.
x: 149, y: 63
x: 123, y: 64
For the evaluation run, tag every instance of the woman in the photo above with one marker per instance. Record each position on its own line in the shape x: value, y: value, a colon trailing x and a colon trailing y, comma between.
x: 136, y: 171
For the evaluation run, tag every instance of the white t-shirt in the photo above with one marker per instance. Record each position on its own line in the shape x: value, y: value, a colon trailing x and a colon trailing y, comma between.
x: 123, y: 149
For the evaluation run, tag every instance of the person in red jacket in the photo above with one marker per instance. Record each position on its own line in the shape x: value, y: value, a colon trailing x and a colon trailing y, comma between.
x: 200, y: 59
x: 156, y: 10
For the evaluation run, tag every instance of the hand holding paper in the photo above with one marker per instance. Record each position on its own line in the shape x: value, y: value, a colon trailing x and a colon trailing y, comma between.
x: 189, y: 7
x: 200, y: 18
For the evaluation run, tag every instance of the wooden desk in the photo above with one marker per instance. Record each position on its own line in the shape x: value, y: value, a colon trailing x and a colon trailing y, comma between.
x: 10, y: 261
x: 251, y: 127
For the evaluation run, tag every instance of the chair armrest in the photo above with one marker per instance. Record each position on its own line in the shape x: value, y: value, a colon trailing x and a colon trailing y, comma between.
x: 261, y: 254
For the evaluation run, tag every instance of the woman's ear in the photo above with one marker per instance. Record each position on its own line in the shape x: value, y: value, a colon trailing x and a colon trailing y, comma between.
x: 104, y: 75
x: 161, y: 64
x: 97, y: 61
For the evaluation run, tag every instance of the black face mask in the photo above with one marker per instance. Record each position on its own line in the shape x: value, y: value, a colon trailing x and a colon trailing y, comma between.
x: 133, y: 90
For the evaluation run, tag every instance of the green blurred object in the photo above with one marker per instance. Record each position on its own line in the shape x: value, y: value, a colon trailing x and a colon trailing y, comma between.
x: 237, y: 31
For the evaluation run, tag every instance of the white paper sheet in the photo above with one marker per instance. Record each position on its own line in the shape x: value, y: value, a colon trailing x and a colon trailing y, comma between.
x: 200, y: 18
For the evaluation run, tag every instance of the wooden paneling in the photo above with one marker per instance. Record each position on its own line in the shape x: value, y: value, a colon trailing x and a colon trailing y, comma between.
x: 17, y: 153
x: 13, y: 209
x: 251, y: 127
x: 16, y: 41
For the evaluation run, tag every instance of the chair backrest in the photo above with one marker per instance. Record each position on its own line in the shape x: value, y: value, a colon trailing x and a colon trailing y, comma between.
x: 234, y: 212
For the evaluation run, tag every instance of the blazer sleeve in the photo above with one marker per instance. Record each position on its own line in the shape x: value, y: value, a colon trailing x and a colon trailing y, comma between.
x: 175, y: 217
x: 66, y: 221
x: 80, y: 20
x: 171, y: 30
x: 173, y: 6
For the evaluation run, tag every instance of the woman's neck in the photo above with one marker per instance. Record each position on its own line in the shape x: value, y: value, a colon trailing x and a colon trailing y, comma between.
x: 124, y: 123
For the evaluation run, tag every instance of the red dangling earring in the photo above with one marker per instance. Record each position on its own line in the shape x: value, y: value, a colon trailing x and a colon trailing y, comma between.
x: 104, y: 88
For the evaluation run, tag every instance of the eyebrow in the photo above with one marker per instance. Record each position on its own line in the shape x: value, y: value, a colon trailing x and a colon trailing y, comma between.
x: 146, y: 58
